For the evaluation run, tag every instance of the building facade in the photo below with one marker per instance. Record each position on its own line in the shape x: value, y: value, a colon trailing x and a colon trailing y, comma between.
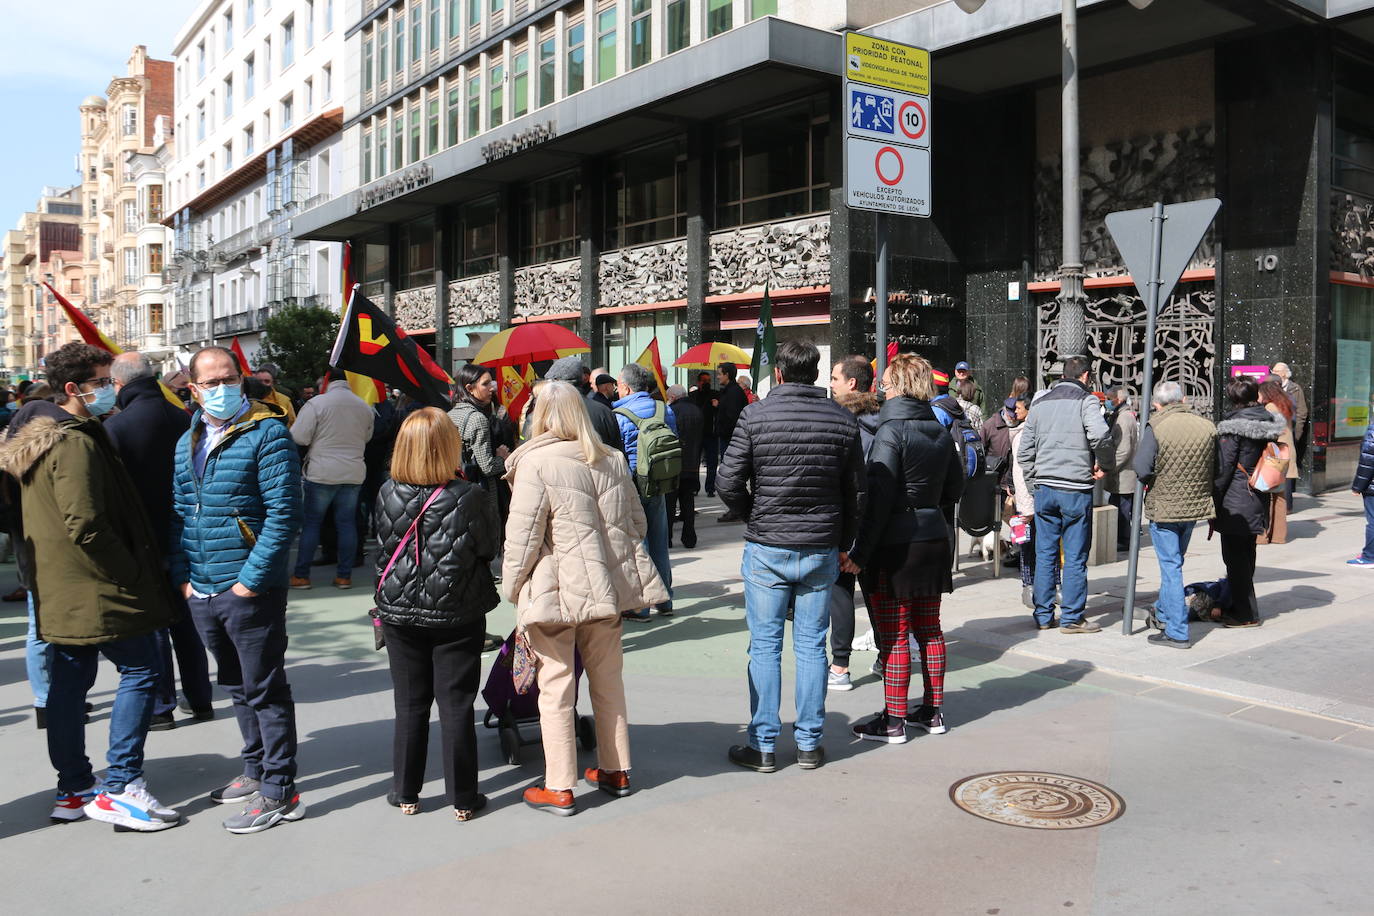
x: 44, y: 247
x: 258, y: 117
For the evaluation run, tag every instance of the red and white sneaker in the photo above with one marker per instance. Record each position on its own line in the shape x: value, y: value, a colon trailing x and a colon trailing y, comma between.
x: 68, y: 805
x: 134, y: 808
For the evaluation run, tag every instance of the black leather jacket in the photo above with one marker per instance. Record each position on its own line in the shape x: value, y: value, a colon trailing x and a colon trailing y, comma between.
x: 451, y: 584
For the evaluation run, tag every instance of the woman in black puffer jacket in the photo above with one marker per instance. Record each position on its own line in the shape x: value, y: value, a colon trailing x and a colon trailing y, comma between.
x: 432, y: 601
x: 1241, y: 512
x: 903, y: 550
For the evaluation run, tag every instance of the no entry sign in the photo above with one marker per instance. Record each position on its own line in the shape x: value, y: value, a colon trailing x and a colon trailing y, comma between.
x: 887, y: 128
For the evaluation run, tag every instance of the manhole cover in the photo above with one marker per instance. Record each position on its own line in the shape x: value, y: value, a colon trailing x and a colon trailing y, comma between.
x: 1045, y: 801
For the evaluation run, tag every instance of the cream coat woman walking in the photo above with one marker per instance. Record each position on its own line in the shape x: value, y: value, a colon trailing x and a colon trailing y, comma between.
x: 574, y: 560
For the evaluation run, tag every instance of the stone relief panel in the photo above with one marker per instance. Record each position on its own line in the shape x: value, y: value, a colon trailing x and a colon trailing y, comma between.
x: 1352, y: 234
x: 790, y: 255
x: 548, y: 289
x: 648, y: 273
x: 474, y: 300
x: 417, y: 309
x: 1173, y: 167
x: 1185, y: 341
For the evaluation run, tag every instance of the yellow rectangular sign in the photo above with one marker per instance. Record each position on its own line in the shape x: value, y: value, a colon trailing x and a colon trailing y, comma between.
x: 889, y: 64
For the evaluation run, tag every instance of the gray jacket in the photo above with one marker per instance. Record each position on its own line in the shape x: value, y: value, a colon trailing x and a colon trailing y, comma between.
x: 334, y: 427
x: 1125, y: 438
x: 1065, y: 435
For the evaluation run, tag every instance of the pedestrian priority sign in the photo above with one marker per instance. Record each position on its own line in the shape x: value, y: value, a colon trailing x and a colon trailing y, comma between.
x: 882, y: 114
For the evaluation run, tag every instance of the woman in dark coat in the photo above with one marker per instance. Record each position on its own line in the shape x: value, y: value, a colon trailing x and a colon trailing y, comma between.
x: 1241, y: 512
x: 434, y: 589
x: 903, y: 549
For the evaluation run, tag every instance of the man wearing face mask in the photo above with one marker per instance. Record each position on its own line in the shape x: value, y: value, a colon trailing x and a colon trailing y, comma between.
x: 97, y: 587
x: 237, y: 512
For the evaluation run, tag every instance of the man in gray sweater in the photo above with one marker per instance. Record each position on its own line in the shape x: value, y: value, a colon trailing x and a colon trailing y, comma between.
x: 1063, y: 449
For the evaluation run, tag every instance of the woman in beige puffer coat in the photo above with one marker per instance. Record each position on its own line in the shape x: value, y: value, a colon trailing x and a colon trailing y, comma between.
x: 574, y: 560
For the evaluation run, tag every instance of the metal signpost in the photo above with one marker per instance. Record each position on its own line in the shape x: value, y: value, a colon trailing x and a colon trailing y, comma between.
x: 1156, y: 259
x: 886, y: 143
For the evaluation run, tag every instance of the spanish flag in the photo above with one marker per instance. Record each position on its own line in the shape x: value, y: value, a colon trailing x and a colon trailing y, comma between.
x: 515, y: 389
x: 236, y: 348
x: 96, y: 338
x: 650, y: 360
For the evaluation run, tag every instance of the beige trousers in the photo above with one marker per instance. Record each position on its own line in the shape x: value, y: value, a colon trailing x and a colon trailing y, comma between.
x: 603, y: 662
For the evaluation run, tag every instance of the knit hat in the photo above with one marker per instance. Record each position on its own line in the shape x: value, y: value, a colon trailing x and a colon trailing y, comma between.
x: 604, y: 379
x: 567, y: 369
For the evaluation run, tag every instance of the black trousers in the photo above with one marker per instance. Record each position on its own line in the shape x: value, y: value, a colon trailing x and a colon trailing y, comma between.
x: 684, y: 496
x: 429, y: 664
x: 183, y: 639
x: 1238, y: 553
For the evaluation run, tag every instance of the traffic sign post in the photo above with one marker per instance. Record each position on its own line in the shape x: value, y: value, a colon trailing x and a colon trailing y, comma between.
x: 887, y: 144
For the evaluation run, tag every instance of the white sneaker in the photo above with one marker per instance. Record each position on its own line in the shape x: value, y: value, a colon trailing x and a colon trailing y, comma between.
x: 69, y: 806
x: 838, y: 680
x: 132, y: 809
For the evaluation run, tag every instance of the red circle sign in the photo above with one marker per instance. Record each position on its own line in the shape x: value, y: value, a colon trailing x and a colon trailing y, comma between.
x: 878, y: 165
x: 917, y: 129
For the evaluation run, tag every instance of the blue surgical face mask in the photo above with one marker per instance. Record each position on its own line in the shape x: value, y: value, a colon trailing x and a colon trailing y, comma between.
x: 222, y: 402
x: 103, y: 400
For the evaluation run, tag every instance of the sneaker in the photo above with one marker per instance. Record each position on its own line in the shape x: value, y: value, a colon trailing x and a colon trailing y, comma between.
x: 1054, y: 623
x: 812, y: 759
x: 664, y: 610
x: 1082, y: 626
x: 262, y: 813
x: 641, y: 616
x: 838, y: 680
x: 554, y: 801
x: 1160, y: 639
x: 615, y: 783
x: 241, y: 789
x: 882, y: 728
x: 728, y: 517
x: 752, y: 759
x: 300, y: 581
x: 1360, y: 561
x: 162, y: 722
x: 133, y: 808
x: 341, y: 582
x: 68, y: 805
x: 877, y: 668
x: 928, y: 718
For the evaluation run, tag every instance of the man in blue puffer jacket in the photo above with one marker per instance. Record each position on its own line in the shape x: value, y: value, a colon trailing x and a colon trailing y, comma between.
x: 237, y: 500
x: 1363, y: 486
x: 634, y: 386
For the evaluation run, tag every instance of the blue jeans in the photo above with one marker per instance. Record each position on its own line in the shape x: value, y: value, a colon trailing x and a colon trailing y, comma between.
x: 247, y: 637
x: 775, y: 577
x: 1366, y: 554
x: 38, y: 660
x: 1067, y: 516
x: 318, y: 498
x: 656, y: 540
x: 1171, y: 543
x: 73, y: 674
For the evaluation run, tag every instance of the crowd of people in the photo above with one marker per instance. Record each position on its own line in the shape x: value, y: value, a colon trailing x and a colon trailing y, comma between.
x: 146, y: 534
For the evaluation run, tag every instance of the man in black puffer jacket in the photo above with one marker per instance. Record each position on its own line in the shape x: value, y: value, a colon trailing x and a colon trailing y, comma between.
x: 794, y: 470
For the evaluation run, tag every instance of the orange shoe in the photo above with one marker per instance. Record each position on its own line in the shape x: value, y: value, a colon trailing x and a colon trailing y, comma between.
x: 300, y: 582
x: 615, y: 783
x: 343, y: 583
x: 554, y: 801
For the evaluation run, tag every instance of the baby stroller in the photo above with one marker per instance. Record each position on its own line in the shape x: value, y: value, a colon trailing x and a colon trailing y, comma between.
x: 508, y: 710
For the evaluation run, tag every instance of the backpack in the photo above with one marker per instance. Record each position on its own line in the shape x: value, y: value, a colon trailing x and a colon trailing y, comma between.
x: 658, y: 461
x: 1271, y: 470
x: 972, y: 451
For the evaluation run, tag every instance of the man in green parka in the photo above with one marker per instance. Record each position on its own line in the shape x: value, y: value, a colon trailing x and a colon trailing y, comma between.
x: 99, y: 589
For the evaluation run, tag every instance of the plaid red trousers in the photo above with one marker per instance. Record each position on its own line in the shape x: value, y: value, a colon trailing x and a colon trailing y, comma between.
x: 893, y: 620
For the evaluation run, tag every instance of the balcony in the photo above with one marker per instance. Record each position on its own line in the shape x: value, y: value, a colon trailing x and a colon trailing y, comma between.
x: 239, y: 323
x: 108, y: 250
x: 238, y: 243
x: 107, y: 166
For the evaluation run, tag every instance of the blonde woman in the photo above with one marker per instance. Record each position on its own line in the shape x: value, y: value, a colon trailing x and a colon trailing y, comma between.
x: 438, y: 535
x: 914, y: 475
x: 575, y: 559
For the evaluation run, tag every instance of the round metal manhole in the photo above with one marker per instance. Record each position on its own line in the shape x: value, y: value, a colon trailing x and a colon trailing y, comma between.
x: 1043, y: 801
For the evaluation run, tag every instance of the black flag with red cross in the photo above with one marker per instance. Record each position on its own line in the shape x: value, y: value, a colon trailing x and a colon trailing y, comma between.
x: 371, y: 343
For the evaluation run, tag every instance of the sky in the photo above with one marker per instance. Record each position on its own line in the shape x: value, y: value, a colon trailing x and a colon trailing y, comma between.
x: 53, y: 54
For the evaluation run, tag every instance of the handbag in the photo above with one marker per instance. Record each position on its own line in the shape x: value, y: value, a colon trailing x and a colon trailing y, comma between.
x: 1271, y: 470
x: 378, y: 638
x: 523, y: 663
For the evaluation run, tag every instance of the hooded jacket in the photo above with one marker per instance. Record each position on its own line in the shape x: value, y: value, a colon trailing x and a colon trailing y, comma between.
x: 1241, y: 438
x: 864, y: 406
x: 239, y: 521
x: 1065, y: 435
x: 575, y: 537
x: 97, y: 574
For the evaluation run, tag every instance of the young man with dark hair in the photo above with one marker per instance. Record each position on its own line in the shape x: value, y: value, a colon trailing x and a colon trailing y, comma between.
x: 237, y: 510
x: 98, y: 590
x: 794, y: 470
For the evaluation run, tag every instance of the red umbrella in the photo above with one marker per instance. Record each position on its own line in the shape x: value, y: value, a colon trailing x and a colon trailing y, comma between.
x: 529, y: 343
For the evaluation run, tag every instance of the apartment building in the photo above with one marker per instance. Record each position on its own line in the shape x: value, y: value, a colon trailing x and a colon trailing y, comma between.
x: 122, y: 193
x: 45, y: 246
x: 258, y: 120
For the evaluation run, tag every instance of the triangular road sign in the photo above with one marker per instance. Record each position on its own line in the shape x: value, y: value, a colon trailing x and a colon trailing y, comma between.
x: 1184, y: 226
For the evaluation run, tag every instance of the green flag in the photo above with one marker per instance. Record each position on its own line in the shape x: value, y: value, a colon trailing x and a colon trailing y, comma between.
x: 765, y: 343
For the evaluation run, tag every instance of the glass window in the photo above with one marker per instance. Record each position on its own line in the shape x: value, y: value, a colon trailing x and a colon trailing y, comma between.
x: 496, y: 88
x: 367, y: 155
x: 772, y: 165
x: 498, y: 5
x: 415, y: 134
x: 454, y: 113
x: 434, y: 9
x: 759, y: 8
x: 432, y: 124
x: 576, y: 53
x: 398, y: 140
x: 1352, y: 332
x: 474, y: 105
x: 248, y: 140
x: 247, y: 14
x: 605, y: 45
x: 520, y: 84
x: 381, y: 149
x: 474, y: 13
x: 548, y: 85
x: 474, y: 241
x: 200, y: 121
x: 248, y: 74
x: 641, y: 33
x: 383, y: 44
x: 398, y: 47
x: 374, y: 262
x: 417, y: 37
x: 367, y: 64
x: 645, y: 199
x: 548, y: 221
x: 455, y: 18
x: 327, y: 74
x: 228, y: 96
x: 288, y: 42
x: 417, y: 253
x: 228, y: 31
x: 309, y: 23
x: 309, y: 95
x: 131, y: 115
x: 155, y: 258
x: 287, y: 112
x: 718, y: 14
x: 328, y: 16
x: 200, y: 61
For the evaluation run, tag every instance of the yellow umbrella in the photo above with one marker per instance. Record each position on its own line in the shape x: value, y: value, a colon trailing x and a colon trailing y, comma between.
x: 530, y: 343
x: 711, y: 354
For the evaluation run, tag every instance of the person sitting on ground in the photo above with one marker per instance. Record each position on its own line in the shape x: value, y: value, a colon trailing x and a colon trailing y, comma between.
x: 575, y: 560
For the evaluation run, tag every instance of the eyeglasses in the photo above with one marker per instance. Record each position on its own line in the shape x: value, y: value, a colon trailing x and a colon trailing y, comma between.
x: 98, y: 383
x: 212, y: 384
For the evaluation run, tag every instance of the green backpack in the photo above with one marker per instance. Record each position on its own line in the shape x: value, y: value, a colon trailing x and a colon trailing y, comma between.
x: 658, y: 461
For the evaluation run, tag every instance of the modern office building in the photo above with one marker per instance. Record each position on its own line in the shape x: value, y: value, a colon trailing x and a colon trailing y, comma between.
x: 637, y: 169
x: 258, y: 116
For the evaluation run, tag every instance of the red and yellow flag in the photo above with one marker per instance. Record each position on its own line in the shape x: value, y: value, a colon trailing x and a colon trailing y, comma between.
x: 650, y: 360
x: 515, y: 389
x: 96, y: 338
x: 237, y: 349
x: 364, y: 386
